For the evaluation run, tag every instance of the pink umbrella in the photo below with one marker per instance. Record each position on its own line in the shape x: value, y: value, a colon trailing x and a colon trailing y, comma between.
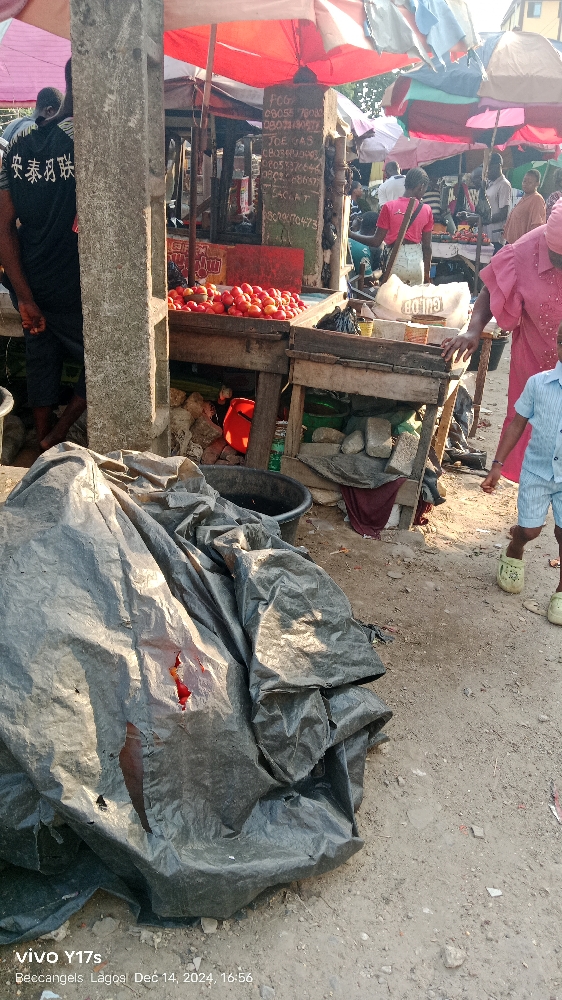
x: 30, y: 59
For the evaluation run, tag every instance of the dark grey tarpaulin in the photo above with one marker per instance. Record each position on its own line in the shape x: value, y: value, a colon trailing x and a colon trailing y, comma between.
x: 183, y: 712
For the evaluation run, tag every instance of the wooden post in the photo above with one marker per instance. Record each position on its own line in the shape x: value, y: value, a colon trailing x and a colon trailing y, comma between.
x: 265, y: 417
x: 117, y: 81
x: 294, y: 424
x: 193, y: 203
x: 226, y: 173
x: 341, y: 214
x: 485, y: 349
x: 477, y: 255
x: 248, y: 168
x: 445, y: 423
x: 398, y: 242
x: 408, y: 513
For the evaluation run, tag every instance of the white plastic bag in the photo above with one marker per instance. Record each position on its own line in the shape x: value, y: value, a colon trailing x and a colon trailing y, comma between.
x: 397, y: 301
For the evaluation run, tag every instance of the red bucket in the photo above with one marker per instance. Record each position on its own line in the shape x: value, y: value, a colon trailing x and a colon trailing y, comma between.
x: 238, y: 423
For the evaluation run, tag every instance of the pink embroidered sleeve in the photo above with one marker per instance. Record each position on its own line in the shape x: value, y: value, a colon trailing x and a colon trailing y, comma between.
x: 500, y: 278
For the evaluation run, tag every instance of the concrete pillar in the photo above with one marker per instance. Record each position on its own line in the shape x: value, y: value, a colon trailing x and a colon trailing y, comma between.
x: 117, y: 63
x: 296, y: 123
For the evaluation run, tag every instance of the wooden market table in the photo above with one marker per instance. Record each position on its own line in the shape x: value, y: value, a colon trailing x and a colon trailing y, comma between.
x: 389, y: 369
x: 461, y: 251
x: 252, y: 344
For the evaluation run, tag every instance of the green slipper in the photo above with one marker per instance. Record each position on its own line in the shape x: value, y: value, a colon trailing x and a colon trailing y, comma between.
x: 511, y: 574
x: 554, y: 613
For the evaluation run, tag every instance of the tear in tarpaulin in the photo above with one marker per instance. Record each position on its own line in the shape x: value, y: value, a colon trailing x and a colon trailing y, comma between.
x: 115, y: 564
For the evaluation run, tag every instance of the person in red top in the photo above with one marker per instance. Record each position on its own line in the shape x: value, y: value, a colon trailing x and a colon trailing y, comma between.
x: 413, y: 261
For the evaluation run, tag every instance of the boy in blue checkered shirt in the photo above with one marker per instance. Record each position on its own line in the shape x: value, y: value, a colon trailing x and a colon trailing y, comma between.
x: 540, y: 484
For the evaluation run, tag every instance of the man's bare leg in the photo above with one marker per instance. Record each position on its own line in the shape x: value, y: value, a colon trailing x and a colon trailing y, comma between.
x: 74, y: 410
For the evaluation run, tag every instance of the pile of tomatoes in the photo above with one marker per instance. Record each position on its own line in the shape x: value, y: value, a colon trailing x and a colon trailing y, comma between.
x: 241, y: 300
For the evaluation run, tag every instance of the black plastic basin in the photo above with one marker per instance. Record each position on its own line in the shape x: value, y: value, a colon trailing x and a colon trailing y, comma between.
x: 270, y: 493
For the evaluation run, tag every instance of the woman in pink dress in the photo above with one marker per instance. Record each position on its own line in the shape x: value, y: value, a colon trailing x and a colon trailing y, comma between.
x: 523, y: 291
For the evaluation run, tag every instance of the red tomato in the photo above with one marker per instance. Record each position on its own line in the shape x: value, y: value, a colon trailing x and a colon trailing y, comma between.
x: 218, y: 308
x: 268, y: 301
x: 301, y: 304
x: 247, y: 288
x: 227, y: 299
x: 209, y: 309
x: 179, y: 289
x: 242, y: 304
x: 201, y: 307
x: 280, y: 314
x: 290, y: 313
x: 254, y: 310
x: 258, y: 288
x: 233, y: 311
x: 274, y: 292
x: 236, y: 292
x: 270, y: 309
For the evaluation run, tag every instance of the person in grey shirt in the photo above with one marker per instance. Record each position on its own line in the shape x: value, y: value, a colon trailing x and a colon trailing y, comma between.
x: 48, y: 102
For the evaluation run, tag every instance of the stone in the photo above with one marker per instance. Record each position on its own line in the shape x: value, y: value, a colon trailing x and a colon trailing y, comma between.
x: 544, y: 718
x: 319, y: 450
x: 105, y: 927
x: 327, y: 435
x: 230, y: 455
x: 353, y: 443
x: 180, y: 430
x: 177, y: 398
x: 387, y: 969
x: 364, y: 936
x: 58, y: 935
x: 266, y: 992
x: 212, y: 452
x: 196, y: 963
x: 13, y: 438
x: 204, y: 431
x: 400, y: 782
x: 378, y: 438
x: 194, y: 404
x: 395, y: 574
x: 402, y: 459
x: 194, y: 452
x: 478, y: 832
x: 209, y: 925
x: 326, y: 498
x: 153, y: 938
x: 453, y: 957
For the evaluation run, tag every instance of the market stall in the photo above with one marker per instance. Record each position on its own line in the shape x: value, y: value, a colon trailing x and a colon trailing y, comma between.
x: 386, y: 368
x: 258, y: 345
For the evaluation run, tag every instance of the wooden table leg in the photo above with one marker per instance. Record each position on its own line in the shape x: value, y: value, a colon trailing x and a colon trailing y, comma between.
x: 294, y: 424
x: 265, y: 416
x: 407, y: 514
x: 486, y: 347
x: 445, y: 423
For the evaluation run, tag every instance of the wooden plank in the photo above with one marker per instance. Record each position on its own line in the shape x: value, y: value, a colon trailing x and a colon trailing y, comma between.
x: 316, y: 312
x: 265, y: 416
x: 445, y: 423
x: 226, y: 325
x: 294, y: 424
x: 305, y: 475
x: 408, y: 493
x: 344, y: 345
x: 251, y: 353
x: 408, y: 511
x: 367, y: 382
x: 480, y: 381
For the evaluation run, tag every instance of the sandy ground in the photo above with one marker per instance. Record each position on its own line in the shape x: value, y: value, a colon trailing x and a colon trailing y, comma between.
x: 474, y: 682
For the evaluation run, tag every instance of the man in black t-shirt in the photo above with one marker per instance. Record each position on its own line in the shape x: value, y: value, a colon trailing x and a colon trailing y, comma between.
x: 40, y: 259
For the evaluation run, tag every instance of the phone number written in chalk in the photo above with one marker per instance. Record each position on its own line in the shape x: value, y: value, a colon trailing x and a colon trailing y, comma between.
x: 192, y: 977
